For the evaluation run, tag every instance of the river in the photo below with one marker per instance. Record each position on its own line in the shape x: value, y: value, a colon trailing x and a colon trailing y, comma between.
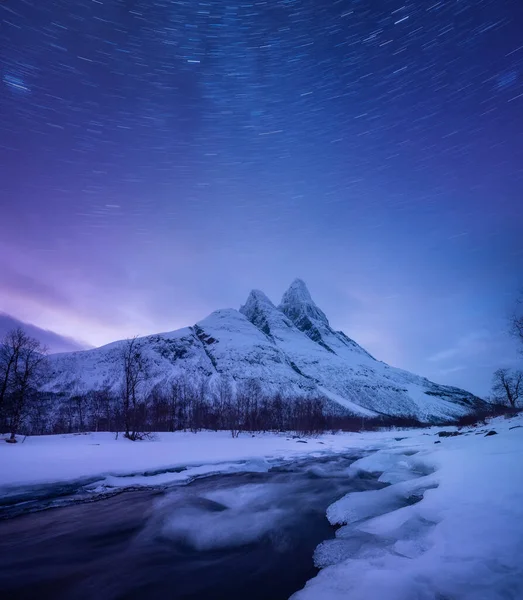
x: 237, y: 536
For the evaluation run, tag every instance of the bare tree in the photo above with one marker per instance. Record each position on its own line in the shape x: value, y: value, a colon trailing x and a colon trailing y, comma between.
x: 10, y: 351
x: 180, y: 394
x: 508, y: 386
x: 40, y: 414
x: 249, y: 397
x: 517, y: 320
x: 78, y: 401
x: 197, y: 407
x: 227, y: 408
x: 135, y: 373
x: 99, y: 409
x: 22, y: 361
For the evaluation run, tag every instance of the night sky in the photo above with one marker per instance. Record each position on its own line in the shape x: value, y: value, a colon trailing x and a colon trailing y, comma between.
x: 158, y: 159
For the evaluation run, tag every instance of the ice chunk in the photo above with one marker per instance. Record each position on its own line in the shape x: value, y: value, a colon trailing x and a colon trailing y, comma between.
x: 362, y: 505
x: 357, y: 506
x: 394, y: 465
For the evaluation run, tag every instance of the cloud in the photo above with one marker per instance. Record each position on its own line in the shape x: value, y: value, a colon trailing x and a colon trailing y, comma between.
x: 14, y: 283
x: 471, y: 344
x: 444, y: 355
x: 74, y: 310
x: 451, y: 370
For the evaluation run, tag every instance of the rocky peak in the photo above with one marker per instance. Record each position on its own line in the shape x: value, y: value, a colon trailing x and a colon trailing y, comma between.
x: 261, y: 312
x: 256, y: 301
x: 299, y: 306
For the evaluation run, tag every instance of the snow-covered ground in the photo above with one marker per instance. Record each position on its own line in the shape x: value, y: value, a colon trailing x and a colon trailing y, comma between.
x: 448, y: 526
x: 463, y: 539
x: 62, y: 458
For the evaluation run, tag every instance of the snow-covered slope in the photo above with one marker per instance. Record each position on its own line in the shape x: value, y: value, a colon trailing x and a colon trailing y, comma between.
x: 290, y: 349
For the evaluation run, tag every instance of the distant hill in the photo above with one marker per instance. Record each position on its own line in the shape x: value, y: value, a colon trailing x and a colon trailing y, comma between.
x: 53, y: 341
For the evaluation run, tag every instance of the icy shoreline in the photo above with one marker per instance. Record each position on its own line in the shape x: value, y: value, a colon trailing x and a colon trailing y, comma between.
x: 450, y: 525
x: 64, y: 458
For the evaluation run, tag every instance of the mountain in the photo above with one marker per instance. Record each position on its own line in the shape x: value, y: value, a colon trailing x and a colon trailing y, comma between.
x: 53, y: 341
x: 290, y: 349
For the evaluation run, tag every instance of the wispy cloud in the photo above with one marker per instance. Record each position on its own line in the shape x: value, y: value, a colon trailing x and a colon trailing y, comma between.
x: 451, y: 370
x: 471, y: 344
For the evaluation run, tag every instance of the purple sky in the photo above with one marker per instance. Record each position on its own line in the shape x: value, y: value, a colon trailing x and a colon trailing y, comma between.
x: 159, y: 160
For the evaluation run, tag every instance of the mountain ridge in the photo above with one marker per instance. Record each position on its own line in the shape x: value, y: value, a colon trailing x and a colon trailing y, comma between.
x: 290, y: 349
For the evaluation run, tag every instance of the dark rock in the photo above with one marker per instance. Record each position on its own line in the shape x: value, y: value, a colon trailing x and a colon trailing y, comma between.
x: 491, y: 433
x: 444, y: 434
x: 301, y: 442
x: 437, y: 442
x: 399, y: 439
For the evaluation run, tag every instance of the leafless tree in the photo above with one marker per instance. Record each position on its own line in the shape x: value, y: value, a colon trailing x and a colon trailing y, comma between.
x: 230, y: 407
x: 40, y: 414
x: 508, y: 386
x: 307, y: 416
x: 98, y: 405
x: 197, y: 407
x: 79, y: 401
x: 517, y: 320
x: 22, y: 362
x: 135, y: 374
x: 10, y: 351
x: 249, y: 398
x: 181, y: 396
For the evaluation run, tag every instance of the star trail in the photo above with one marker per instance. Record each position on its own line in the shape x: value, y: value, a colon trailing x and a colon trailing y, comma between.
x: 160, y: 158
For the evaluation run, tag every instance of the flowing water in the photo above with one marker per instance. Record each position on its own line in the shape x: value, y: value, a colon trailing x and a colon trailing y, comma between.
x: 239, y: 536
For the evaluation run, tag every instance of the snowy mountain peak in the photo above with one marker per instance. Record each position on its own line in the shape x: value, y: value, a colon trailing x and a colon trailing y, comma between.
x: 262, y: 313
x: 298, y: 291
x: 255, y: 298
x: 299, y: 306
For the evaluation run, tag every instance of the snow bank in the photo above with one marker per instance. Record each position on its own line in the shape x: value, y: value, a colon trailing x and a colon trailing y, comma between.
x: 459, y: 536
x: 63, y: 458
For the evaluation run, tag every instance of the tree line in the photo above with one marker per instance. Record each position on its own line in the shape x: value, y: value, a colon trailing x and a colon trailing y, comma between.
x: 134, y: 408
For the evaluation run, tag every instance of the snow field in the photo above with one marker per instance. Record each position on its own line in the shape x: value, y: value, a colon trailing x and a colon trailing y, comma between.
x: 63, y: 458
